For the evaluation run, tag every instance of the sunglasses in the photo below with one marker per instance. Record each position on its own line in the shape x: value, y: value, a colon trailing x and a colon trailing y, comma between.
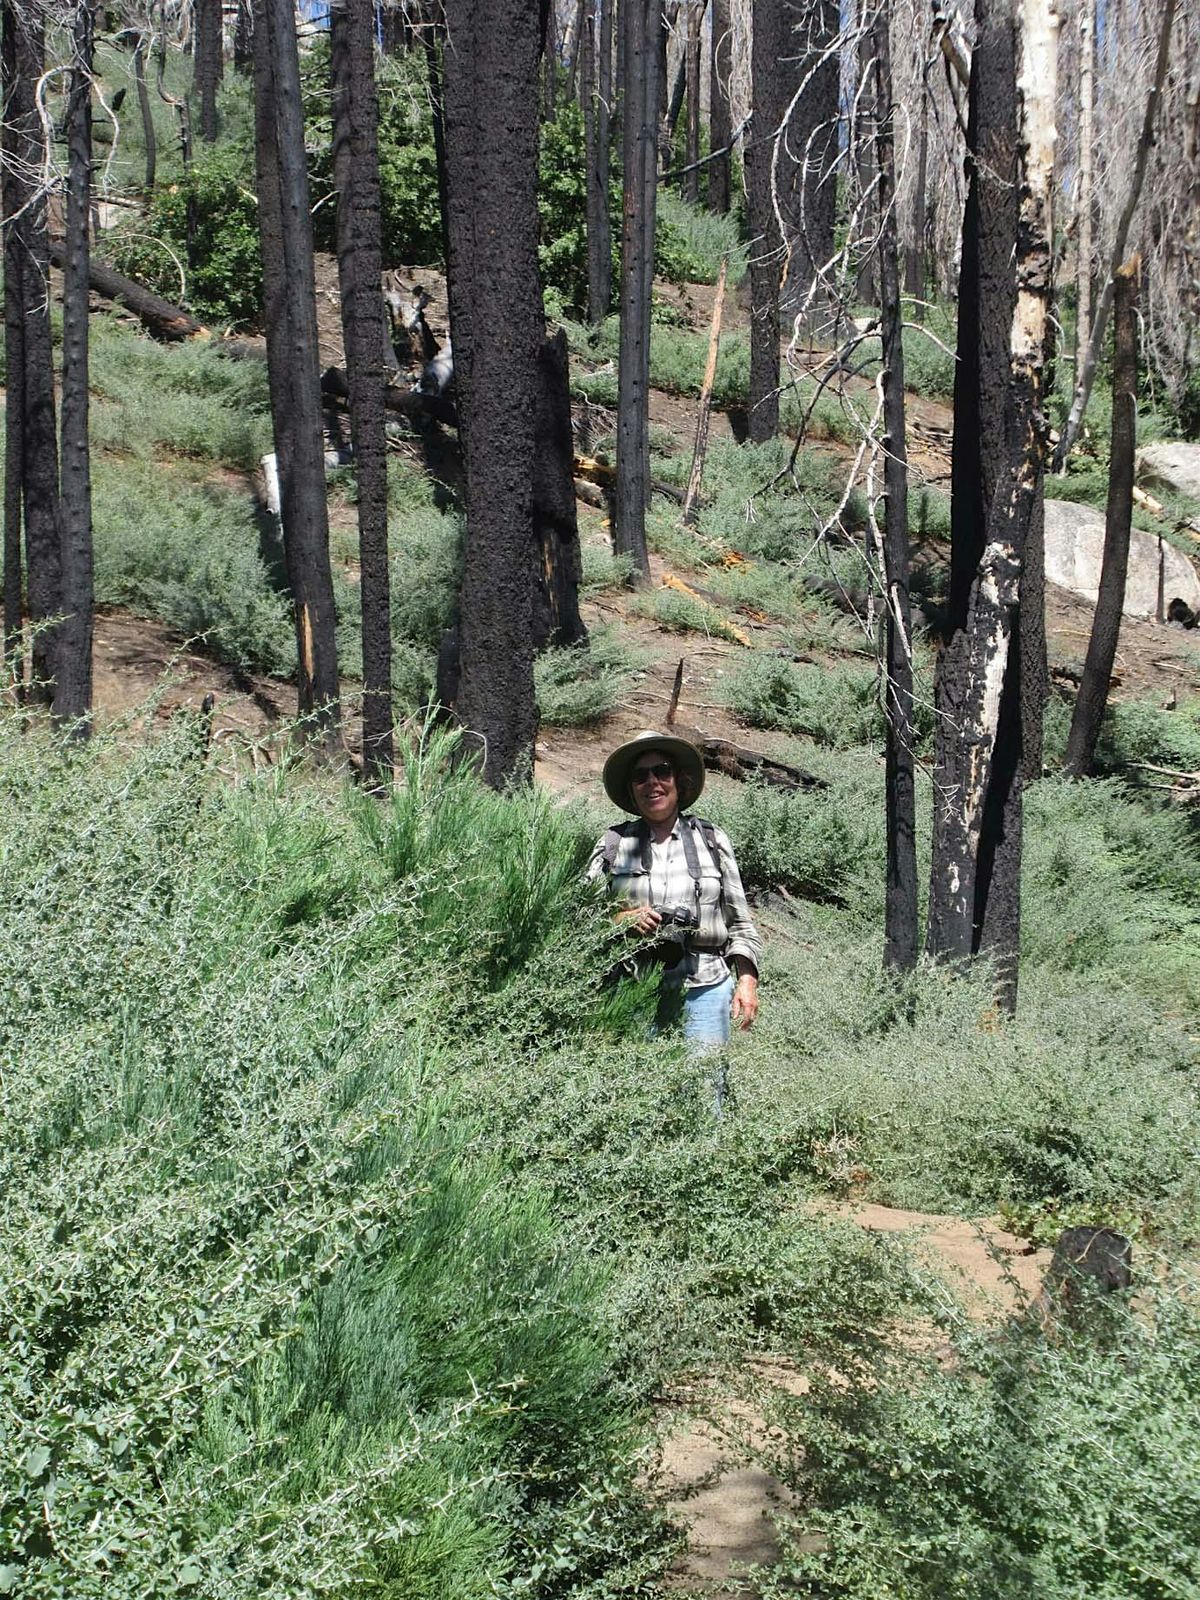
x: 662, y: 772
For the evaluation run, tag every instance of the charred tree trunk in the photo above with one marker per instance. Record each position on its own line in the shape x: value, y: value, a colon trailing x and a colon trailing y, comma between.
x: 914, y: 264
x: 149, y: 137
x: 1106, y: 624
x: 497, y: 324
x: 807, y: 183
x: 433, y: 34
x: 770, y: 43
x: 207, y: 64
x: 39, y: 453
x: 641, y: 30
x: 73, y: 677
x: 720, y: 119
x: 556, y: 619
x: 293, y: 368
x: 550, y: 57
x: 14, y: 349
x: 691, y: 155
x: 900, y: 915
x: 596, y: 56
x: 360, y: 270
x: 998, y: 453
x: 243, y: 38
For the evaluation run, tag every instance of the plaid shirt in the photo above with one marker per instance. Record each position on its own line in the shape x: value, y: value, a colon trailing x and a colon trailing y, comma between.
x: 726, y: 926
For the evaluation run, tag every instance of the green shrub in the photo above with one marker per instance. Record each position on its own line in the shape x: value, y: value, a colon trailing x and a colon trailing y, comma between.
x: 224, y: 276
x: 582, y: 683
x: 194, y: 557
x: 1018, y: 1464
x: 810, y: 843
x: 690, y: 241
x: 680, y: 613
x: 603, y: 569
x: 278, y: 1323
x: 186, y: 398
x: 840, y: 709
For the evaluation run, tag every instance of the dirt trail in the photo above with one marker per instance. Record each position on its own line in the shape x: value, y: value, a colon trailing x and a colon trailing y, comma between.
x: 726, y: 1502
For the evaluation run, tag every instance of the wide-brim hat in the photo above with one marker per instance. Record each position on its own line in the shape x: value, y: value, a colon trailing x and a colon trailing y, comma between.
x: 683, y: 755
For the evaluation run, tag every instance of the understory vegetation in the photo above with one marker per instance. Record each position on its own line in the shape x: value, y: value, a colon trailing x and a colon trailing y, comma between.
x: 351, y: 1224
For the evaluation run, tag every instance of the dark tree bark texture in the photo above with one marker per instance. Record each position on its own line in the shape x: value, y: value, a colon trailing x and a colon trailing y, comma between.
x: 720, y: 124
x: 691, y: 157
x: 770, y: 43
x: 73, y: 677
x: 556, y: 619
x: 596, y: 59
x: 641, y: 33
x: 1106, y: 623
x: 497, y: 324
x: 149, y: 137
x: 987, y: 681
x: 356, y: 173
x: 289, y: 295
x: 808, y: 191
x: 14, y: 345
x: 900, y: 915
x: 207, y: 64
x: 39, y: 456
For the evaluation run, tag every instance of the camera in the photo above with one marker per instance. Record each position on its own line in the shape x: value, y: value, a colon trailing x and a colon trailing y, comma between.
x: 683, y: 917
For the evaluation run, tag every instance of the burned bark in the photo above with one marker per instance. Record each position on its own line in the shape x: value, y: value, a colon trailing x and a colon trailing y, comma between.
x: 641, y: 32
x: 1106, y: 623
x: 14, y: 350
x: 900, y: 913
x: 596, y: 57
x: 556, y: 619
x: 359, y: 251
x: 998, y: 455
x: 289, y: 297
x: 691, y: 152
x: 207, y: 64
x: 39, y: 438
x: 770, y: 43
x: 73, y: 675
x: 720, y: 119
x: 806, y: 156
x: 497, y: 324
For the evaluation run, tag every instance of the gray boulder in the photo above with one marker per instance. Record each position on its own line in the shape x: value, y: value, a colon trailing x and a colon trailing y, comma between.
x: 1174, y: 466
x: 1158, y: 572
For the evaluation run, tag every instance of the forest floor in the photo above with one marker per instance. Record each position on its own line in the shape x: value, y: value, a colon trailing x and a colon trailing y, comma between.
x: 709, y: 1477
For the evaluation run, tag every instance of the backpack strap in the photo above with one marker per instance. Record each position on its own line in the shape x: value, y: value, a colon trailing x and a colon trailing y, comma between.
x: 708, y: 832
x: 612, y: 841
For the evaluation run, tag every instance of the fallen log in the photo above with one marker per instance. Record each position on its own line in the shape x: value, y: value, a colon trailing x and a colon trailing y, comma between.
x: 406, y: 402
x: 159, y: 316
x: 736, y: 761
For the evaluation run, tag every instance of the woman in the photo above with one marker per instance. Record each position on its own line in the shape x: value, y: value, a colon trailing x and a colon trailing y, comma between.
x: 679, y: 877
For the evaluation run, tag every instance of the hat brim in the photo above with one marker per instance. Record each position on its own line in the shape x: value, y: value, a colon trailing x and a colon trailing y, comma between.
x: 684, y: 757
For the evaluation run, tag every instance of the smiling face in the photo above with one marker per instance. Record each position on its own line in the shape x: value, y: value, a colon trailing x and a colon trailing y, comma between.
x: 653, y: 785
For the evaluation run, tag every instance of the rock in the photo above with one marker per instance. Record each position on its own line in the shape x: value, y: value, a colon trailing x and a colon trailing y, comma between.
x: 1075, y: 550
x: 1172, y: 465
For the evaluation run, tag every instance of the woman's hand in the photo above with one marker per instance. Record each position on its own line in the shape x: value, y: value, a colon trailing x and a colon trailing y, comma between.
x: 642, y: 919
x: 745, y: 1001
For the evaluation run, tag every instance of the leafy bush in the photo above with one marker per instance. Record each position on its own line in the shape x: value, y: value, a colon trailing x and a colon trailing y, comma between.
x: 839, y: 709
x: 1023, y: 1465
x: 690, y: 241
x: 811, y: 843
x: 194, y: 557
x: 278, y: 1324
x: 186, y: 398
x: 680, y: 613
x: 224, y: 276
x: 582, y: 683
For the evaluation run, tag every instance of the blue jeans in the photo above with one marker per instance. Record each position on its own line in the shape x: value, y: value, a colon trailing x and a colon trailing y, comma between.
x: 704, y: 1016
